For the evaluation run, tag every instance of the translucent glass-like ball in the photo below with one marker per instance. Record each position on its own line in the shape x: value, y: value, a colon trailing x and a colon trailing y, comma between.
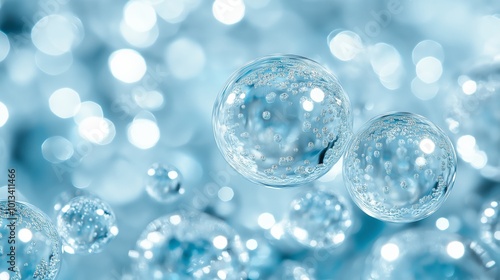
x: 282, y: 120
x: 37, y: 244
x: 399, y: 167
x: 86, y: 225
x: 420, y: 254
x: 189, y: 245
x: 164, y: 183
x: 319, y: 219
x: 490, y: 224
x: 475, y: 120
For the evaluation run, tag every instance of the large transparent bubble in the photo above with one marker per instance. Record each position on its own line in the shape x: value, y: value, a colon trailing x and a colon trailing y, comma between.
x: 282, y: 120
x: 400, y: 167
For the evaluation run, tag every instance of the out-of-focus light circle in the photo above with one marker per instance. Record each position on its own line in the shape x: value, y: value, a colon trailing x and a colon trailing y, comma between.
x: 424, y: 91
x: 469, y: 87
x: 442, y: 223
x: 345, y: 45
x: 172, y: 11
x: 225, y: 194
x: 385, y: 59
x: 4, y: 46
x: 427, y: 48
x: 139, y: 39
x: 64, y: 102
x: 88, y: 109
x: 56, y: 34
x: 127, y: 65
x: 4, y: 276
x: 185, y: 58
x: 139, y: 15
x: 252, y: 244
x: 143, y: 133
x: 148, y: 100
x: 390, y: 252
x: 455, y: 249
x: 429, y: 69
x: 228, y: 11
x: 53, y: 65
x: 4, y: 114
x: 266, y: 220
x: 57, y: 149
x: 97, y: 130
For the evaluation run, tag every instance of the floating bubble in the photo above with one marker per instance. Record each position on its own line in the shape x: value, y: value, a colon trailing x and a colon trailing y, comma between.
x: 189, y: 245
x: 37, y: 244
x: 164, y: 183
x: 319, y: 219
x: 428, y: 254
x: 282, y: 120
x: 86, y: 225
x: 400, y: 167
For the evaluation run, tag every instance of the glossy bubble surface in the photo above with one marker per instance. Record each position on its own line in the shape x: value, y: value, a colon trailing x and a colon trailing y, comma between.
x: 319, y: 219
x: 86, y: 225
x: 282, y: 120
x: 399, y: 167
x: 164, y: 183
x: 428, y: 254
x: 37, y: 244
x: 189, y: 245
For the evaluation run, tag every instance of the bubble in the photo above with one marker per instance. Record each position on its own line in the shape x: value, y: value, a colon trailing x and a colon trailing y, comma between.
x: 473, y: 118
x: 428, y: 254
x: 86, y: 225
x: 490, y: 223
x: 37, y: 244
x: 164, y: 183
x: 305, y: 104
x: 319, y: 219
x: 413, y: 173
x: 292, y: 270
x: 189, y: 245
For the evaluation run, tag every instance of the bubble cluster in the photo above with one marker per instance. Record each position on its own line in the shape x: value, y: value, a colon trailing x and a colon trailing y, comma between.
x: 37, y: 244
x: 164, y: 183
x: 319, y: 219
x: 428, y: 254
x: 399, y: 167
x: 474, y: 119
x: 189, y: 245
x: 490, y: 224
x: 86, y: 225
x: 282, y: 120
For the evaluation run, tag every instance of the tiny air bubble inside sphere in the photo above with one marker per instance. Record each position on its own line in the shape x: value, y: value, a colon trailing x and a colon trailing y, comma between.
x: 399, y: 167
x: 282, y: 120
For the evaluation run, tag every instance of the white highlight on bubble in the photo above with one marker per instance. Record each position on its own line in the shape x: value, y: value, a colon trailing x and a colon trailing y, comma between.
x: 469, y: 87
x: 219, y: 242
x: 185, y: 58
x: 455, y: 249
x: 228, y: 11
x: 4, y: 114
x: 225, y: 194
x: 317, y: 95
x: 127, y: 65
x: 139, y: 15
x: 442, y: 223
x: 64, y: 102
x: 389, y: 252
x: 427, y: 146
x: 308, y: 105
x: 345, y: 45
x: 429, y: 69
x: 143, y: 133
x: 266, y: 220
x: 4, y: 46
x: 25, y: 235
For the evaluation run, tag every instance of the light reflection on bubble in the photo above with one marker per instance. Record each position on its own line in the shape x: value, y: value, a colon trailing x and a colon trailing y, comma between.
x: 228, y: 11
x: 57, y: 34
x: 139, y: 15
x: 429, y: 69
x: 127, y: 65
x: 53, y: 65
x: 185, y: 58
x: 64, y: 102
x: 4, y: 114
x: 139, y: 39
x: 57, y: 149
x: 4, y: 46
x: 344, y: 45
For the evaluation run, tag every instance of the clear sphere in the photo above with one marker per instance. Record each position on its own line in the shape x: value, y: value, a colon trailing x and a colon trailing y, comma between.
x: 86, y: 225
x: 282, y: 120
x: 419, y: 254
x: 474, y: 119
x: 37, y: 244
x: 189, y: 245
x: 164, y: 183
x: 399, y: 167
x: 319, y: 219
x: 490, y: 224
